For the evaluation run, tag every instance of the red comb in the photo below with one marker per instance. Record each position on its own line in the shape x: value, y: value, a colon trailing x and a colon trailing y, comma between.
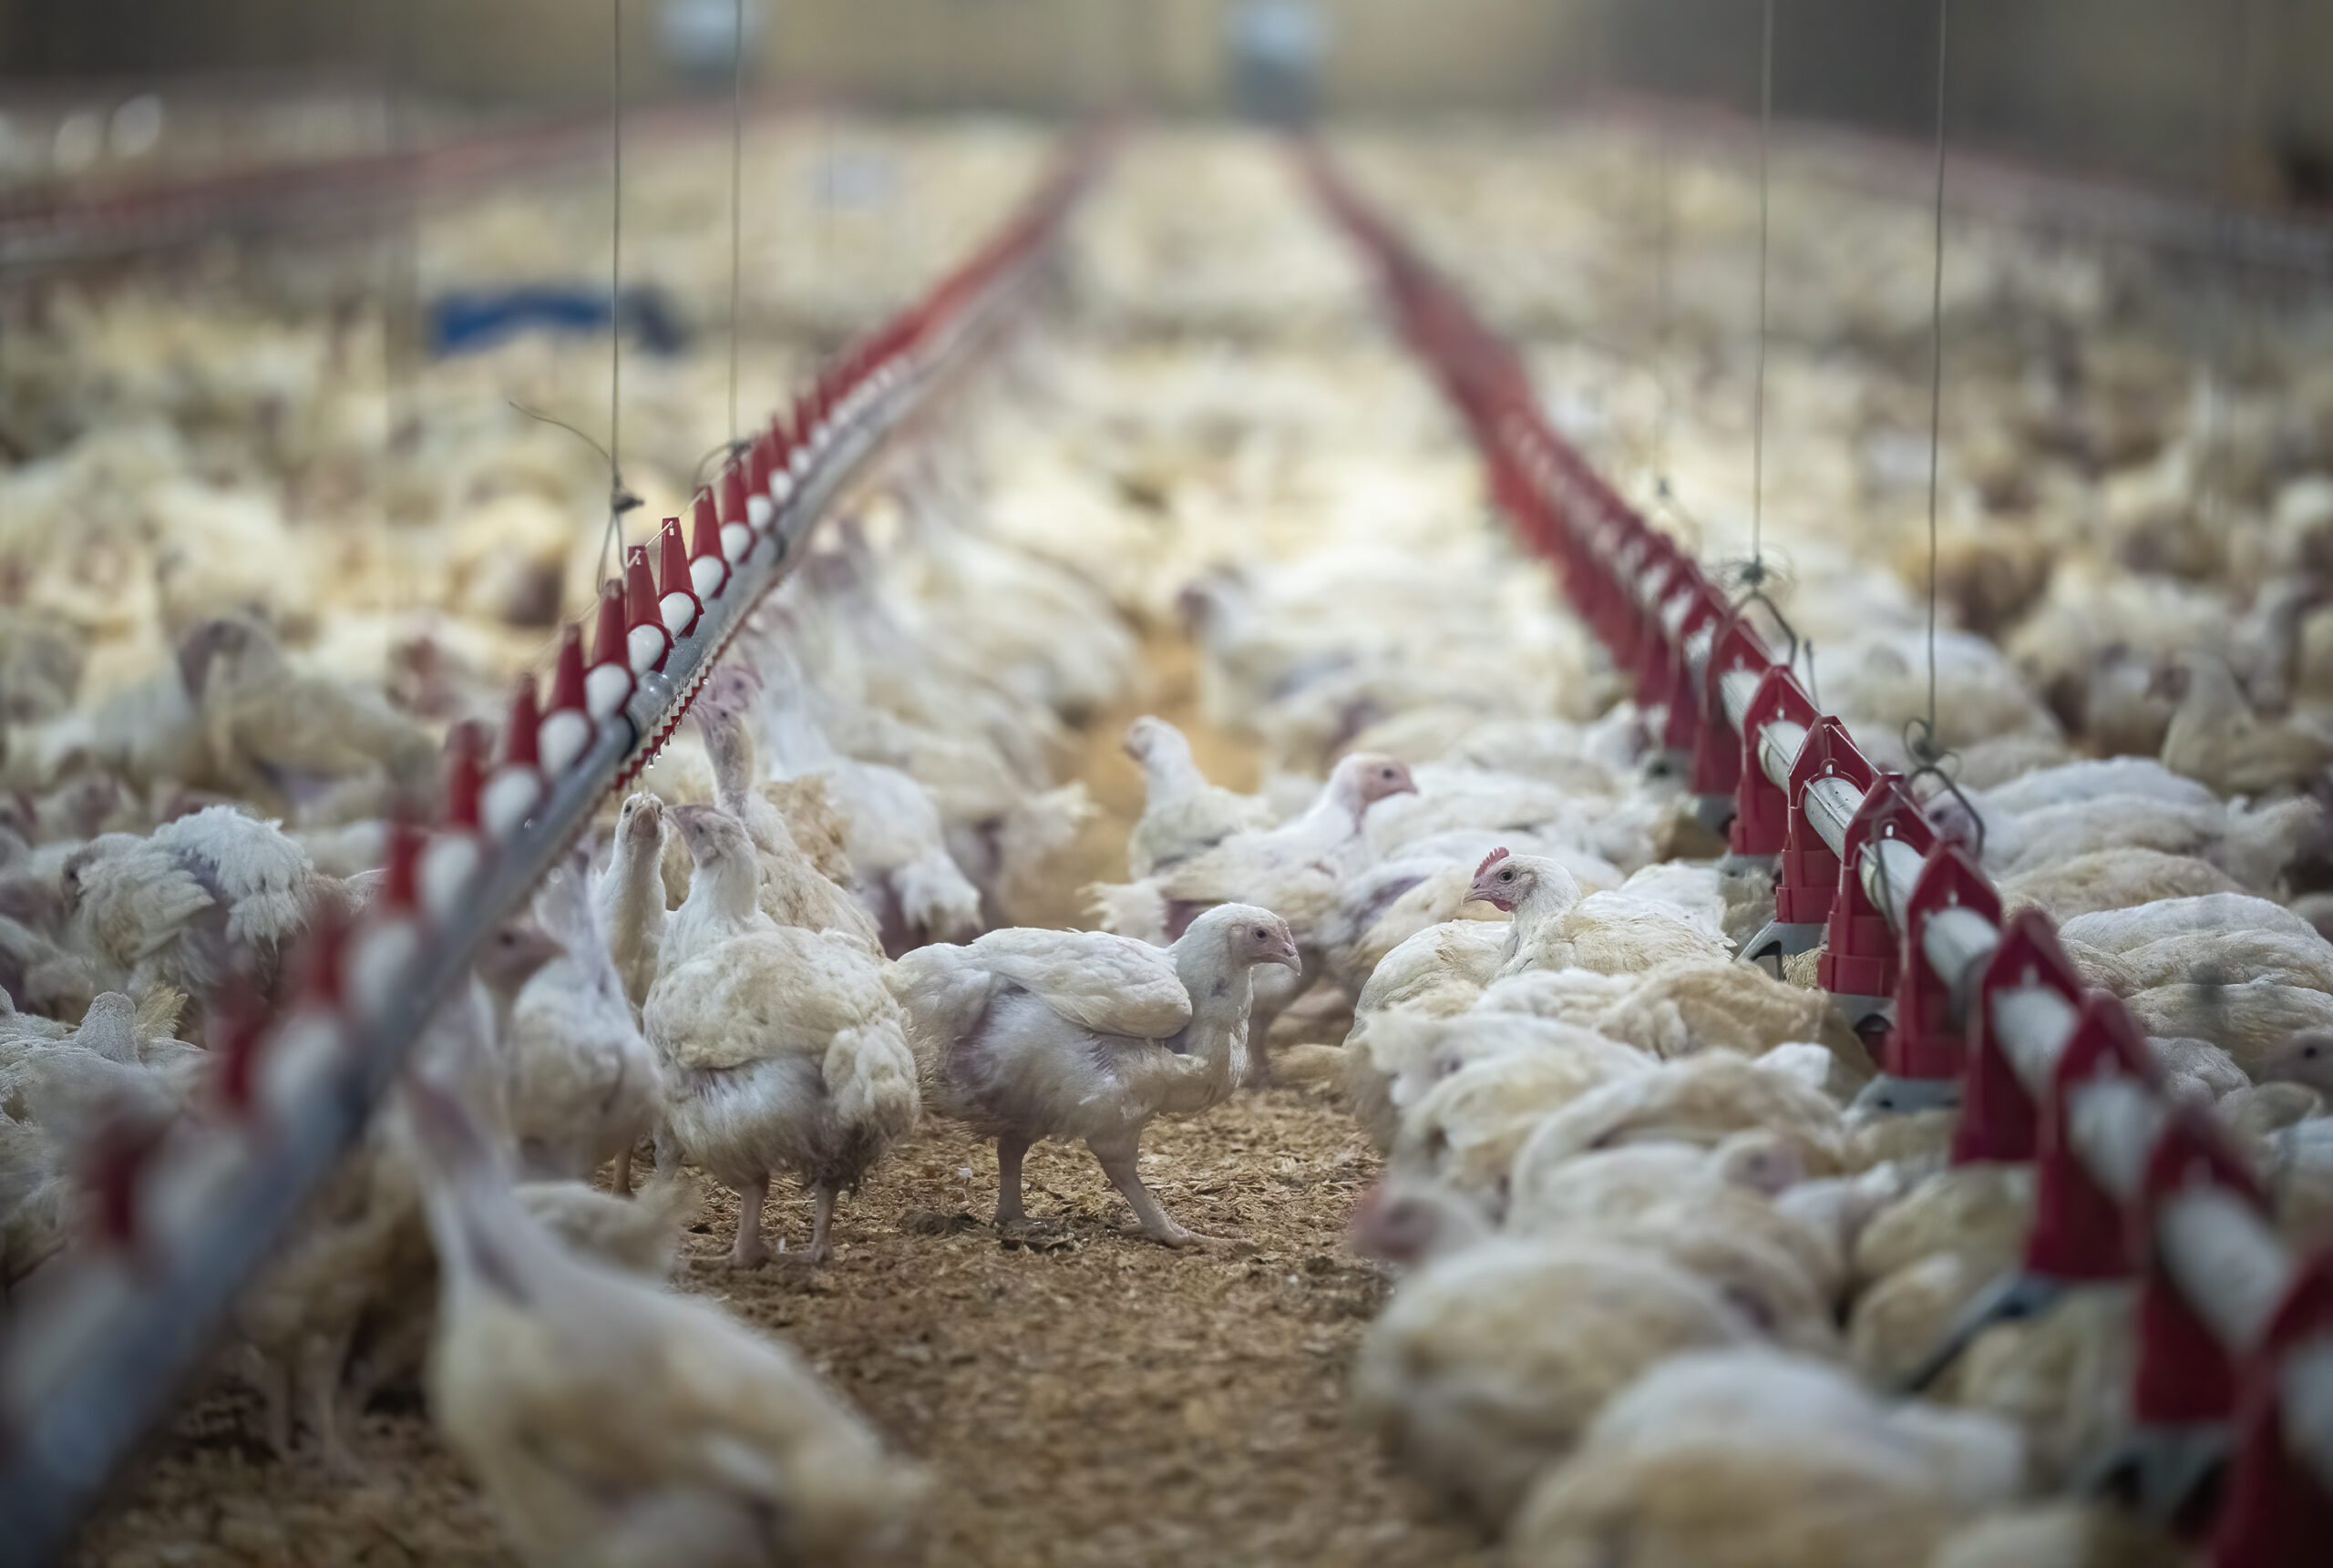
x: 1492, y: 858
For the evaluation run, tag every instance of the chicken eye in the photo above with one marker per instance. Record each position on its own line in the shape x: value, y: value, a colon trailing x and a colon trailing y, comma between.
x: 1507, y: 876
x: 1259, y: 933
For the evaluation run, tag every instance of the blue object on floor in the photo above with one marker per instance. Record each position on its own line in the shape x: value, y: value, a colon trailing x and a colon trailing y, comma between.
x: 465, y: 321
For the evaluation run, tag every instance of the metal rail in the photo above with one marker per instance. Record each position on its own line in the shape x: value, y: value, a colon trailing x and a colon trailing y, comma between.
x: 111, y: 1329
x: 2093, y: 207
x: 53, y: 228
x: 1913, y: 932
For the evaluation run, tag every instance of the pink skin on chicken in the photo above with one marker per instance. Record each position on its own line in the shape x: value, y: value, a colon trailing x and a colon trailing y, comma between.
x: 1500, y: 883
x: 1140, y: 734
x: 1383, y: 777
x: 1409, y: 1224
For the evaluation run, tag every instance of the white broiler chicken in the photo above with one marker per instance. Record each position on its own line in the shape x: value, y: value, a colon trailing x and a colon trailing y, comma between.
x: 292, y: 741
x: 198, y: 896
x: 1752, y: 1459
x: 781, y: 1048
x: 1616, y: 932
x: 1703, y: 1099
x: 582, y: 1082
x: 1298, y: 864
x: 613, y: 1424
x: 1488, y: 1365
x: 1183, y: 815
x: 628, y: 898
x: 793, y: 893
x: 1293, y: 870
x: 2252, y: 844
x: 896, y: 843
x: 2217, y: 739
x: 1031, y: 1034
x: 362, y: 1240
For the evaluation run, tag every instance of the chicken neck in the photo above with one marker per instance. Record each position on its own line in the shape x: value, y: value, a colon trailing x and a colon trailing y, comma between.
x: 1214, y: 1055
x: 630, y: 897
x: 1547, y: 901
x: 723, y: 901
x: 1170, y: 775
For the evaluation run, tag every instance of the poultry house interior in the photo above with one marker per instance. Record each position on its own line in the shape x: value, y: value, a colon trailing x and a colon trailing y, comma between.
x: 1151, y: 780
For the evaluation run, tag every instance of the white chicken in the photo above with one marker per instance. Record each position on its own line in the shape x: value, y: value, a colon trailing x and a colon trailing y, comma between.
x: 1030, y: 1034
x: 1183, y: 814
x: 793, y: 892
x: 613, y: 1424
x: 897, y: 843
x: 582, y: 1082
x: 628, y: 898
x: 1294, y: 870
x: 183, y: 906
x: 1618, y: 932
x: 780, y: 1047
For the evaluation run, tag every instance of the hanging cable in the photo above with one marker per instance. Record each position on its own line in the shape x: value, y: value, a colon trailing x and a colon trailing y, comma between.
x: 1661, y: 220
x: 1928, y: 751
x: 2235, y: 92
x: 1756, y: 571
x: 613, y: 542
x: 736, y: 196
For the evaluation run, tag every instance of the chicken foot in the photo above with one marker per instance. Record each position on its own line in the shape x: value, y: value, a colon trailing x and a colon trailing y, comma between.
x: 1119, y: 1163
x: 323, y: 1361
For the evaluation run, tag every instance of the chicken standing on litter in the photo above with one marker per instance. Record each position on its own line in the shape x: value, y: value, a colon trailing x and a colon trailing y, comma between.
x: 781, y: 1049
x: 1032, y: 1034
x: 1294, y: 870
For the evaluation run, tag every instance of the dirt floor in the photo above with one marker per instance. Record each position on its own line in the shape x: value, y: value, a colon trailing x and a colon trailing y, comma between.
x: 1080, y: 1396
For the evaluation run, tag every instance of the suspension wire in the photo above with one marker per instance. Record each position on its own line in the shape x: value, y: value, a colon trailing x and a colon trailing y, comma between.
x: 736, y: 194
x: 1935, y: 360
x: 400, y: 305
x: 1757, y: 567
x: 1662, y: 237
x: 613, y: 540
x: 2235, y: 89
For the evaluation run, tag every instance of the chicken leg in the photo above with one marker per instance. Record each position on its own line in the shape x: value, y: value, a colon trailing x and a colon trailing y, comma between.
x: 749, y: 1250
x: 822, y: 1215
x: 1119, y: 1163
x: 1010, y: 1152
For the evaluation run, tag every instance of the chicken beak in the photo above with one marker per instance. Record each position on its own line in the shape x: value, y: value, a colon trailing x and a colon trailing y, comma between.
x: 1286, y: 953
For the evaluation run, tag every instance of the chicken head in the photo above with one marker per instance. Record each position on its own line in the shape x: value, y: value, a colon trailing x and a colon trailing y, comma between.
x: 1374, y: 776
x: 1408, y: 1222
x: 2306, y: 1059
x: 1144, y: 735
x: 1265, y: 940
x: 227, y: 637
x: 640, y: 822
x: 512, y: 957
x: 712, y: 835
x: 1501, y: 881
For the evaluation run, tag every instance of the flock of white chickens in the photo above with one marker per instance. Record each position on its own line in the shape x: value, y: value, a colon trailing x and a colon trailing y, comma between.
x: 1652, y: 1280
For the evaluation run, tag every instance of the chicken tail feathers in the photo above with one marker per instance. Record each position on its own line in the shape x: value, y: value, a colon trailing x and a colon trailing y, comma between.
x: 937, y: 898
x: 1040, y: 826
x: 1136, y: 910
x: 870, y: 1075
